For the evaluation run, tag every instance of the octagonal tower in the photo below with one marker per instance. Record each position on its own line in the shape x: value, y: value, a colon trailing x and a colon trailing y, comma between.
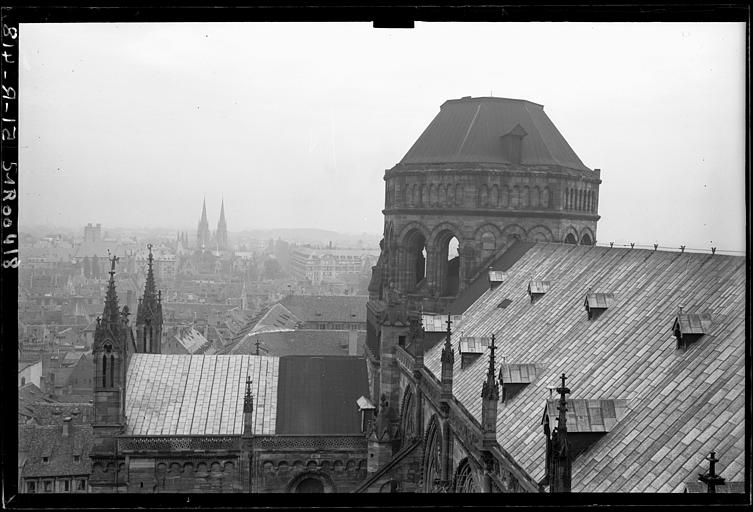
x: 486, y: 171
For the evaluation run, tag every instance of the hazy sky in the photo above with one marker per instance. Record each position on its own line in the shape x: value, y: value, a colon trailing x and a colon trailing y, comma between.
x: 294, y: 124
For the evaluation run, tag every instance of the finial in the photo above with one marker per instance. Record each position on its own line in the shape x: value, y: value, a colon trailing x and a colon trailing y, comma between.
x: 713, y: 251
x: 632, y: 245
x: 656, y: 246
x: 682, y: 248
x: 710, y: 478
x: 611, y: 244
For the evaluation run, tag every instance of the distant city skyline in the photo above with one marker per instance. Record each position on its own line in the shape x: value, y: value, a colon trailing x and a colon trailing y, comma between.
x: 121, y: 126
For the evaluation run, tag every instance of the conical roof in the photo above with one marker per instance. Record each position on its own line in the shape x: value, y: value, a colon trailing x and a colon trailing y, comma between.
x: 471, y: 130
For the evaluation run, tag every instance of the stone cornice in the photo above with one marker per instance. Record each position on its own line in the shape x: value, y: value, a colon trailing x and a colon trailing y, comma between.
x: 486, y: 212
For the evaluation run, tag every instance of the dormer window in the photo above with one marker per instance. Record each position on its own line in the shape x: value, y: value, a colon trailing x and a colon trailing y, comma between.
x: 537, y: 288
x: 471, y: 347
x: 587, y: 420
x: 512, y: 143
x: 513, y: 378
x: 496, y: 278
x: 597, y: 303
x: 688, y: 327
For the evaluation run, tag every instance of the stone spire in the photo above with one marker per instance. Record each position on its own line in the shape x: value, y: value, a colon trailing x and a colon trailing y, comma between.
x: 248, y: 399
x: 149, y: 313
x: 448, y: 361
x: 222, y: 229
x: 248, y: 410
x: 489, y: 399
x: 560, y: 464
x: 202, y: 235
x: 111, y: 313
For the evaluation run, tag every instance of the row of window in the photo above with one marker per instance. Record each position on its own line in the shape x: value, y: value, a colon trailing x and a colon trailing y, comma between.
x: 488, y: 196
x: 581, y: 200
x: 55, y: 485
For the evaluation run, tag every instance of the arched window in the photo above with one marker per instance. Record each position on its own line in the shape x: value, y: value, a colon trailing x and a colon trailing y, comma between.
x: 441, y: 195
x: 459, y: 194
x: 545, y: 197
x: 494, y: 197
x: 570, y: 239
x: 104, y: 370
x: 483, y: 196
x: 432, y: 456
x: 464, y: 480
x: 525, y: 196
x: 586, y: 240
x: 504, y: 199
x: 515, y: 198
x: 407, y: 417
x: 424, y: 196
x: 432, y: 195
x: 310, y: 485
x: 535, y: 197
x: 416, y: 196
x: 488, y: 245
x: 112, y: 370
x: 450, y: 195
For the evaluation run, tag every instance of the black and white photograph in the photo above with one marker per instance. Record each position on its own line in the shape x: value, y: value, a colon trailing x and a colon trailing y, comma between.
x: 338, y: 257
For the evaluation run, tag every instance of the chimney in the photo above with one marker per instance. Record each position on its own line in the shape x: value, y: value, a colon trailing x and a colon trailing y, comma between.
x: 352, y: 343
x: 66, y: 427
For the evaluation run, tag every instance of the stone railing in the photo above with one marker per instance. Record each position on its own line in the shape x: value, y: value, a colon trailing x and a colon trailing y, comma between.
x: 177, y: 443
x: 404, y: 359
x: 305, y: 443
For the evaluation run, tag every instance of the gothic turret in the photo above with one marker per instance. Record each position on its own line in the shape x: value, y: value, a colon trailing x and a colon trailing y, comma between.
x: 559, y: 463
x: 222, y: 230
x: 149, y: 314
x: 248, y: 410
x: 448, y: 362
x: 113, y: 342
x: 489, y: 397
x: 202, y: 235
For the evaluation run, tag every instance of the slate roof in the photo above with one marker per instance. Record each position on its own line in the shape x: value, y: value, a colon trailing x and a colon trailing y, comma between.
x: 319, y: 395
x: 681, y: 404
x: 38, y: 441
x: 470, y: 130
x: 327, y: 308
x: 169, y: 394
x: 313, y: 342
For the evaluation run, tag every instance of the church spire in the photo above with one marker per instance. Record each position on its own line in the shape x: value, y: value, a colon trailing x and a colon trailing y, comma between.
x: 149, y: 289
x: 202, y: 235
x: 111, y: 312
x: 222, y: 229
x: 221, y: 224
x: 149, y: 313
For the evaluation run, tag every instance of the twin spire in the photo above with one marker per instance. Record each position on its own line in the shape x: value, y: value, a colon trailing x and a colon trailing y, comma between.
x: 203, y: 235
